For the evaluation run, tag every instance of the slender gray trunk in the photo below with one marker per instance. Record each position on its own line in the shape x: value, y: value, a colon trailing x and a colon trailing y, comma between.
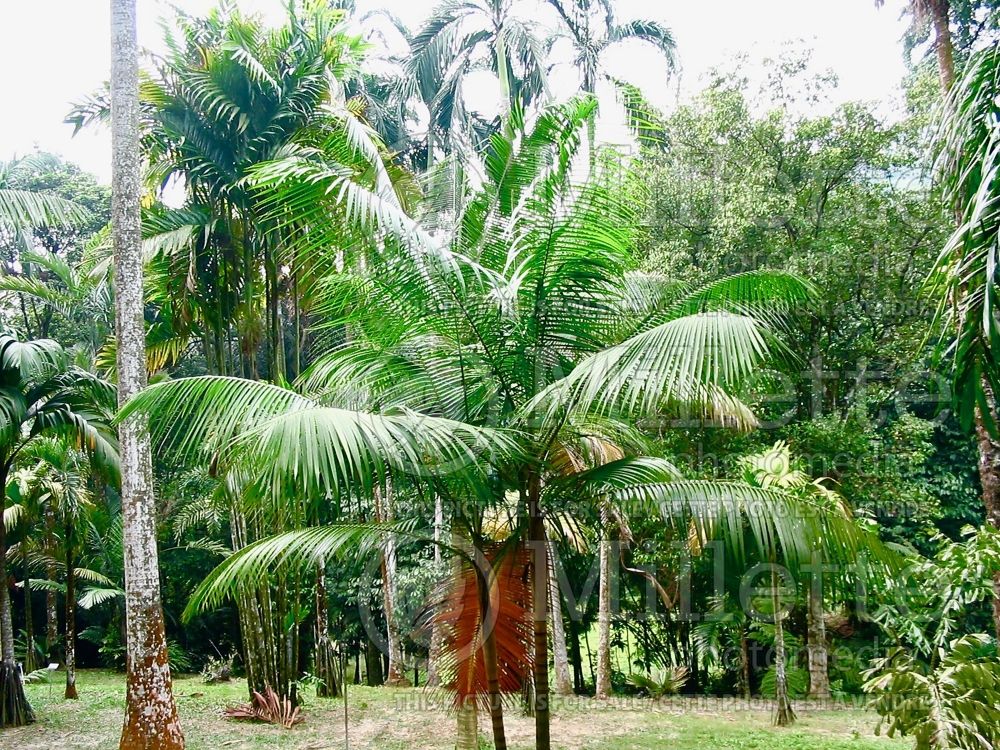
x: 603, y: 686
x: 51, y: 603
x: 560, y: 656
x: 151, y: 721
x: 396, y: 674
x: 433, y: 678
x: 783, y: 713
x: 70, y: 693
x: 819, y: 678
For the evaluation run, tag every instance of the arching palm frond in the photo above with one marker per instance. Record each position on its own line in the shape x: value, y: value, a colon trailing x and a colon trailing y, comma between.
x: 965, y: 276
x: 688, y: 361
x: 284, y: 437
x: 24, y: 209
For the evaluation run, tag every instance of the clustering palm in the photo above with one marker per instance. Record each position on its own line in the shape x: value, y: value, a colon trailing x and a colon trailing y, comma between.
x: 41, y: 393
x: 229, y: 95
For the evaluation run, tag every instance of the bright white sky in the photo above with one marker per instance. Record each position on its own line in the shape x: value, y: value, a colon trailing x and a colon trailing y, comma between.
x: 56, y: 51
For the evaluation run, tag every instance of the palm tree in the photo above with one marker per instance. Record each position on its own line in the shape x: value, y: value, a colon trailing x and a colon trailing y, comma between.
x: 150, y: 711
x: 230, y: 95
x: 527, y: 320
x: 965, y: 276
x: 939, y: 14
x: 591, y: 29
x: 41, y: 393
x: 456, y: 40
x: 60, y: 477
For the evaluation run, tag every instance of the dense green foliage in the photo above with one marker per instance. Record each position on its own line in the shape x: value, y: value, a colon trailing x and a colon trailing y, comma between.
x: 398, y: 348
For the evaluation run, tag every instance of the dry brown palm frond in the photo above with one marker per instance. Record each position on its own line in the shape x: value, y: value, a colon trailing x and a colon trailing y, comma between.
x: 268, y: 708
x: 459, y: 619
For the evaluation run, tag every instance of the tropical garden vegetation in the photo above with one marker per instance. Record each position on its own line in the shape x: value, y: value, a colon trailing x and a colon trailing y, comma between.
x: 346, y: 386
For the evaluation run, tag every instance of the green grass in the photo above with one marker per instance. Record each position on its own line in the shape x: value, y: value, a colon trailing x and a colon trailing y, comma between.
x: 404, y: 719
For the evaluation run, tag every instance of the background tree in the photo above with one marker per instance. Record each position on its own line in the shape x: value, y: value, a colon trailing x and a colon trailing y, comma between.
x: 43, y: 394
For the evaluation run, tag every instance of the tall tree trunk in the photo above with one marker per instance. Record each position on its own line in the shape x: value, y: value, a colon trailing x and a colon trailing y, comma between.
x: 395, y: 674
x: 560, y: 657
x: 603, y: 686
x: 70, y: 693
x: 540, y: 589
x: 151, y: 721
x: 783, y: 713
x: 15, y: 711
x: 29, y: 621
x: 819, y: 678
x: 373, y: 664
x: 940, y: 14
x: 51, y: 604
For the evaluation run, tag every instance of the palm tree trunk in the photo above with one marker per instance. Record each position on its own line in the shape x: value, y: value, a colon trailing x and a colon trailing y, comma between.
x: 490, y: 663
x: 432, y: 666
x: 29, y: 621
x: 783, y: 713
x: 560, y: 656
x: 326, y: 659
x: 51, y: 604
x: 150, y: 712
x: 395, y: 674
x: 540, y: 588
x: 467, y: 725
x: 70, y: 693
x: 940, y: 12
x: 15, y: 711
x: 603, y: 686
x: 819, y: 678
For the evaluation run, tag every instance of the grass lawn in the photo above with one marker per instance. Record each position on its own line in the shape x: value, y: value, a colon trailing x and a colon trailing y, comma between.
x: 407, y: 719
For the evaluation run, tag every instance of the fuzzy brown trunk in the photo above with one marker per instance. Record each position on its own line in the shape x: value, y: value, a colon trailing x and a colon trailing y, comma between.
x: 819, y: 678
x: 151, y: 721
x: 70, y: 693
x: 540, y: 590
x: 15, y: 711
x: 560, y: 656
x: 603, y: 686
